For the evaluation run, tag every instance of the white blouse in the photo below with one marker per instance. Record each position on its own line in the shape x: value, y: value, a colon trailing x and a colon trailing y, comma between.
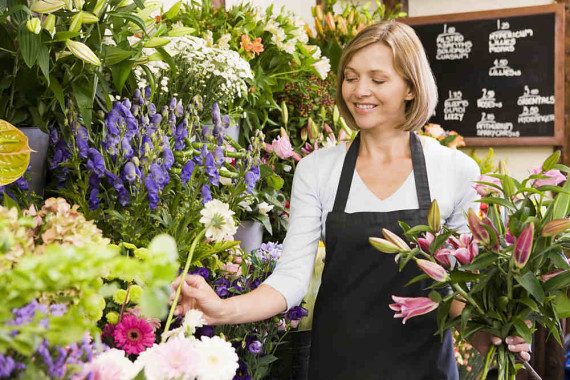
x: 450, y: 175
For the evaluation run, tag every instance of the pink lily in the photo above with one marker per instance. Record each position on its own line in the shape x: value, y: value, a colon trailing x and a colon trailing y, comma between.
x: 442, y: 257
x: 408, y: 307
x: 479, y: 232
x: 465, y: 255
x: 554, y: 177
x: 424, y: 243
x: 433, y: 270
x: 485, y: 190
x: 523, y: 246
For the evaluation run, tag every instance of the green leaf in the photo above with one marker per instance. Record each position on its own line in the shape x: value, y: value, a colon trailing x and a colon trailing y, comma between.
x: 435, y: 296
x: 150, y: 78
x: 530, y: 283
x: 275, y: 182
x: 529, y: 190
x: 554, y: 189
x: 560, y: 281
x: 121, y: 72
x: 529, y: 302
x: 130, y: 17
x: 55, y: 87
x: 64, y: 36
x: 522, y: 329
x: 416, y: 279
x: 562, y: 168
x: 43, y: 60
x: 173, y: 11
x: 84, y: 98
x: 417, y: 229
x: 114, y: 55
x: 29, y: 45
x: 561, y: 305
x: 264, y: 219
x: 498, y: 201
x: 551, y: 161
x: 460, y: 276
x: 168, y: 59
x: 480, y: 262
x: 139, y: 3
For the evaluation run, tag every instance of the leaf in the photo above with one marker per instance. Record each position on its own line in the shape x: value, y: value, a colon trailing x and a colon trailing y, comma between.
x: 121, y: 72
x: 522, y: 329
x: 139, y: 3
x: 460, y: 276
x: 64, y: 36
x: 529, y: 190
x: 264, y: 219
x: 562, y: 168
x: 173, y: 11
x: 150, y: 78
x: 416, y: 279
x: 435, y: 296
x: 130, y: 17
x: 29, y: 45
x: 554, y: 189
x: 84, y: 99
x: 168, y: 59
x: 561, y: 305
x: 529, y: 302
x: 43, y: 60
x: 530, y: 283
x: 551, y: 161
x: 114, y: 55
x: 55, y: 87
x: 275, y: 182
x: 498, y: 201
x: 14, y: 153
x: 417, y: 229
x: 560, y: 281
x: 480, y: 262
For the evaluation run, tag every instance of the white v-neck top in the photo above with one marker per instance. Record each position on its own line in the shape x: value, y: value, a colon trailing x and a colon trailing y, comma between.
x: 450, y: 175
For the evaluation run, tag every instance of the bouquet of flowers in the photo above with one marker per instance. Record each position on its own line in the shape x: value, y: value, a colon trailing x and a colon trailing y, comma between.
x: 509, y: 270
x: 450, y: 139
x: 217, y: 75
x: 152, y: 169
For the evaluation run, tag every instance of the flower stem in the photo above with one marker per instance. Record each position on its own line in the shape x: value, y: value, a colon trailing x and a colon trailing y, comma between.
x: 182, y: 278
x: 488, y: 360
x: 529, y: 368
x: 469, y: 298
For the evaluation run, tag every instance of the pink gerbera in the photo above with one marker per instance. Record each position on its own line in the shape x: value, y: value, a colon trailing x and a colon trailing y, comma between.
x: 133, y: 334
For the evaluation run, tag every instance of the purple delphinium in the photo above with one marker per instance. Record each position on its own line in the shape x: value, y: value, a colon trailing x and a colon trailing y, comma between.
x: 8, y: 365
x: 147, y: 93
x: 219, y: 155
x: 187, y: 170
x: 159, y: 175
x: 255, y: 347
x: 81, y: 138
x: 22, y: 184
x: 206, y: 194
x: 167, y: 158
x: 204, y: 331
x: 117, y: 183
x: 129, y: 172
x: 152, y: 189
x: 95, y: 162
x: 55, y: 368
x: 128, y: 151
x: 212, y: 169
x: 179, y: 136
x: 250, y: 181
x: 26, y: 313
x: 296, y: 313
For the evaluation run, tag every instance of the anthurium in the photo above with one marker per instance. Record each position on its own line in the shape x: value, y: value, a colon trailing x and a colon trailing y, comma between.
x: 14, y: 153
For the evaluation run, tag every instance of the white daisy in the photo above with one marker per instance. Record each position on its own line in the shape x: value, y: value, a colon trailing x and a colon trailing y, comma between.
x: 219, y: 360
x: 217, y: 218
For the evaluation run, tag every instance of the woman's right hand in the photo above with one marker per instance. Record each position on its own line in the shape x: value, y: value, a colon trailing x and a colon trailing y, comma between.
x: 196, y: 293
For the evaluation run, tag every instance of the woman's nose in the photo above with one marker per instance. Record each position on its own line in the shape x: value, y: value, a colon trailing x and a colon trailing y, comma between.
x: 362, y: 89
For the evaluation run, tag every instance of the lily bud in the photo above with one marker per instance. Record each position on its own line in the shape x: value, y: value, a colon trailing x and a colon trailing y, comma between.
x: 408, y: 307
x: 477, y: 230
x: 82, y: 51
x: 523, y: 246
x: 345, y: 127
x: 329, y: 20
x: 284, y: 133
x: 101, y: 4
x: 434, y: 217
x: 34, y: 25
x: 342, y: 135
x: 304, y: 134
x: 76, y: 22
x: 284, y: 112
x: 319, y: 12
x: 503, y: 168
x: 495, y: 236
x: 156, y: 42
x: 384, y: 245
x: 318, y: 27
x: 350, y: 18
x: 47, y: 6
x: 393, y: 238
x: 308, y: 31
x: 342, y: 26
x: 79, y: 4
x: 336, y: 114
x: 554, y: 227
x: 328, y: 129
x: 49, y: 23
x: 433, y: 270
x: 89, y: 18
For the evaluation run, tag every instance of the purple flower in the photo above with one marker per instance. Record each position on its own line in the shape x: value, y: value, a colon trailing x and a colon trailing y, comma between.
x: 82, y: 146
x: 226, y: 121
x: 222, y: 281
x: 204, y: 331
x: 60, y: 154
x: 179, y: 136
x: 179, y: 110
x: 147, y: 92
x: 172, y: 103
x: 167, y: 158
x: 254, y: 284
x: 159, y: 176
x: 255, y: 347
x: 9, y: 365
x: 129, y: 172
x: 296, y: 313
x: 117, y: 183
x: 128, y: 151
x: 22, y: 184
x: 201, y: 271
x: 152, y: 189
x: 219, y: 155
x: 127, y: 103
x: 250, y: 181
x: 222, y: 291
x: 206, y: 194
x: 216, y: 119
x: 206, y: 131
x: 26, y: 313
x: 212, y: 169
x: 110, y: 144
x: 156, y: 119
x: 93, y: 180
x: 187, y: 171
x: 112, y: 120
x: 137, y: 96
x: 57, y: 309
x: 94, y: 199
x: 53, y: 136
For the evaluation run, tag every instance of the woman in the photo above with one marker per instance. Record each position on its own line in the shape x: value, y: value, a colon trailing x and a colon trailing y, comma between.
x: 385, y: 90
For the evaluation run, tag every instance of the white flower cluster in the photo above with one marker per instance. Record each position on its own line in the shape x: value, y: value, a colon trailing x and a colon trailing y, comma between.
x: 285, y: 41
x: 322, y: 64
x: 208, y: 71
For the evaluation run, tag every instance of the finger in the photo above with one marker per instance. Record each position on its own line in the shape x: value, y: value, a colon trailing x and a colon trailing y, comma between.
x: 194, y: 280
x: 528, y: 323
x: 514, y: 340
x: 496, y: 340
x: 523, y: 347
x: 175, y: 283
x: 525, y: 356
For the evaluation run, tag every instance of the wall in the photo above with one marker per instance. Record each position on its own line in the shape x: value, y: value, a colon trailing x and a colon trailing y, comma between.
x: 519, y: 159
x: 301, y: 8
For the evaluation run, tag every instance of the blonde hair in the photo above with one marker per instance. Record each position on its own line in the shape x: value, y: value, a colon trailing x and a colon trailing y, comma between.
x: 410, y: 62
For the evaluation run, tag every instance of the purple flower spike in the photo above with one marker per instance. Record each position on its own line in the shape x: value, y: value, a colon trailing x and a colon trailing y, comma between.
x: 151, y: 109
x: 206, y: 194
x: 129, y: 172
x: 255, y: 347
x: 147, y: 92
x: 226, y: 121
x: 158, y: 175
x: 167, y: 158
x: 211, y: 169
x: 216, y: 118
x: 187, y: 171
x: 22, y: 184
x: 152, y: 189
x: 128, y: 151
x: 172, y: 105
x: 112, y: 120
x: 95, y: 162
x: 179, y: 110
x: 219, y: 155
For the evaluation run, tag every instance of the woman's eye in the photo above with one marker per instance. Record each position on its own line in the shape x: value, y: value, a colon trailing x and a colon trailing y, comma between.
x: 350, y: 79
x: 378, y: 81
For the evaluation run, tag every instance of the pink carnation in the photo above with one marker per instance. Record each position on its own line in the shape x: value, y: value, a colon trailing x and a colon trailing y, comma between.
x: 282, y: 147
x: 133, y: 334
x: 555, y: 177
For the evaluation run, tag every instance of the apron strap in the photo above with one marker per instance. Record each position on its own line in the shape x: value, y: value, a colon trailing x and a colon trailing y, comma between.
x: 418, y: 162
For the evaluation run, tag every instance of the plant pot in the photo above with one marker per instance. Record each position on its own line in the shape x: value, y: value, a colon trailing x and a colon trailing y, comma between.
x: 292, y: 357
x: 39, y: 142
x: 250, y: 233
x: 233, y: 131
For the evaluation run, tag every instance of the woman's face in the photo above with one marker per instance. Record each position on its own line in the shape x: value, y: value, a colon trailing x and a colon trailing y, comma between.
x: 374, y: 92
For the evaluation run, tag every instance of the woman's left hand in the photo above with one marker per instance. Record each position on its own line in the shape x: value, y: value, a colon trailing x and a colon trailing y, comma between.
x: 515, y: 344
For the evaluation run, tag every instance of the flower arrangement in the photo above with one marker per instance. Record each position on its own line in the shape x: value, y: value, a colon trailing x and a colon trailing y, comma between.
x: 510, y: 271
x: 450, y: 139
x: 217, y: 75
x: 334, y: 30
x: 152, y: 169
x: 56, y: 270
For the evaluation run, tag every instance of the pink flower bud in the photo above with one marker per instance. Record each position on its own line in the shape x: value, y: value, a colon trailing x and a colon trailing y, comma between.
x: 433, y: 270
x: 523, y: 246
x: 486, y: 190
x: 408, y: 307
x: 479, y: 232
x: 442, y: 257
x: 424, y: 243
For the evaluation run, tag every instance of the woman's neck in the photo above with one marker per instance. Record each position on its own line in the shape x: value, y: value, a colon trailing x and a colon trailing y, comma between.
x: 384, y: 145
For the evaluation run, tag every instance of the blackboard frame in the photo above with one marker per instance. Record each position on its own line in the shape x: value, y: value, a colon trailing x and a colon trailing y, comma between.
x: 559, y: 11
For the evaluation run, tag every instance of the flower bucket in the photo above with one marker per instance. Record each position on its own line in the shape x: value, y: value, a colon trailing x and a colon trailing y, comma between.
x: 250, y: 233
x: 292, y: 357
x: 39, y: 142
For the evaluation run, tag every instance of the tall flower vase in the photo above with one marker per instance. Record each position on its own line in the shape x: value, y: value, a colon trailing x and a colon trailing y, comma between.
x: 250, y: 233
x: 39, y: 142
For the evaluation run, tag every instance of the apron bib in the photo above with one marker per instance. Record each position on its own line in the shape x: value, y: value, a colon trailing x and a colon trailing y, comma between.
x: 355, y: 334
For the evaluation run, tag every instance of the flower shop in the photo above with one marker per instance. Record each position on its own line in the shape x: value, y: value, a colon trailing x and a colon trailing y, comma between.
x: 141, y: 141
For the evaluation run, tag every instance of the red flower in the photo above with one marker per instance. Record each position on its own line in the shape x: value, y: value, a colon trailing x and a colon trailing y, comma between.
x: 133, y: 334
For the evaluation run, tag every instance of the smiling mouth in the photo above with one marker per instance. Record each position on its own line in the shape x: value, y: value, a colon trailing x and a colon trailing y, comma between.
x: 364, y: 106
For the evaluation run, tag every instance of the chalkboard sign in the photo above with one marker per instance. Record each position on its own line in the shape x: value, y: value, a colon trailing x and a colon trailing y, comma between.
x: 499, y: 74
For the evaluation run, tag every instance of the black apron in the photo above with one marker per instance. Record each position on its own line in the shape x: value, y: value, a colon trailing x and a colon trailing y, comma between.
x: 355, y: 334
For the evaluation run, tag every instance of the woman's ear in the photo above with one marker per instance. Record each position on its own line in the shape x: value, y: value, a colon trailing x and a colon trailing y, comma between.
x: 410, y: 94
